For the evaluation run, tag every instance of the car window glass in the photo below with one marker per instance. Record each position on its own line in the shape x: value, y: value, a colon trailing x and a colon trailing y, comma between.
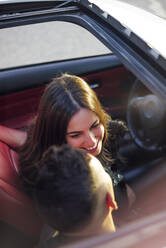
x: 44, y: 42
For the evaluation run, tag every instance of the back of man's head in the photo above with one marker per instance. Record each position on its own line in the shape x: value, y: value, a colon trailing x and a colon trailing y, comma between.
x: 64, y: 190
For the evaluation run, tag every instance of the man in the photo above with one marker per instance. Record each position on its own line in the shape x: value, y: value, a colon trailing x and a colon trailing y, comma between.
x: 74, y: 195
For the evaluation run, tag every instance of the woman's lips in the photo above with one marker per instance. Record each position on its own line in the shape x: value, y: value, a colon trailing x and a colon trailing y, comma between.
x: 92, y: 149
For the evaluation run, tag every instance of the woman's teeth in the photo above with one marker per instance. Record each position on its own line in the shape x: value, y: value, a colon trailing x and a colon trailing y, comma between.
x: 91, y: 148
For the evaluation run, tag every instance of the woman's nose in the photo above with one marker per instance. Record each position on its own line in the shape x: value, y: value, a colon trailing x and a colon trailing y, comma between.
x: 90, y: 139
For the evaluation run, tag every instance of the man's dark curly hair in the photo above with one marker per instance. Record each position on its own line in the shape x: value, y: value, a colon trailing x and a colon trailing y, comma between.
x: 64, y: 190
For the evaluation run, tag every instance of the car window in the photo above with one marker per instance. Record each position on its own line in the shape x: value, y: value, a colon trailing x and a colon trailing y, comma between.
x: 45, y: 42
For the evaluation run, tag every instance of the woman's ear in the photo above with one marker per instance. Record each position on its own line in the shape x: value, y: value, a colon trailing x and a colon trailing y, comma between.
x: 110, y: 202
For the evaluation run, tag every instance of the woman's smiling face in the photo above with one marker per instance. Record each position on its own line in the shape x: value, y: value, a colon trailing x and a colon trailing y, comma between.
x: 85, y: 131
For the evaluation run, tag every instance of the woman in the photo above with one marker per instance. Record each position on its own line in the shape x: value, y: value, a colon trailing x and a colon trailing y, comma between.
x: 70, y: 112
x: 63, y: 99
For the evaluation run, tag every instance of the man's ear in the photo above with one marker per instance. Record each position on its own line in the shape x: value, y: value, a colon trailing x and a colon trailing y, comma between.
x: 110, y: 202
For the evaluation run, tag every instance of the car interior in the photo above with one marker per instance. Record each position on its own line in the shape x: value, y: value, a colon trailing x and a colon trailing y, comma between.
x: 112, y: 83
x: 122, y: 94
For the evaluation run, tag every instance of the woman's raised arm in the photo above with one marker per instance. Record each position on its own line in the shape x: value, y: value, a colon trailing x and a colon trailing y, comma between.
x: 12, y: 137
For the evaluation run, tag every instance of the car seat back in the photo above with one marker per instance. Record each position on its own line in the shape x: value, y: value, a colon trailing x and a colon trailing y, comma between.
x: 16, y: 208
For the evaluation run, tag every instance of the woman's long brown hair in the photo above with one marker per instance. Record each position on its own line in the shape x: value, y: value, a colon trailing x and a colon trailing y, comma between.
x: 62, y: 98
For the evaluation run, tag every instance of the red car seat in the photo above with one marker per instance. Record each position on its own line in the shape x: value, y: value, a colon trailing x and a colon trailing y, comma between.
x: 16, y: 208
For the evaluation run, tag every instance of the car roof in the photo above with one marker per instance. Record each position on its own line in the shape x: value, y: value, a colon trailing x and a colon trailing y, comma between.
x: 146, y: 25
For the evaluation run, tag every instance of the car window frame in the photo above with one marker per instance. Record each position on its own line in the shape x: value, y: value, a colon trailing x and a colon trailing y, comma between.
x: 110, y: 32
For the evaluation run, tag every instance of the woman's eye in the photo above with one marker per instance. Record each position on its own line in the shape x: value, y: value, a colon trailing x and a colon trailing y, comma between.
x: 96, y: 125
x: 75, y: 136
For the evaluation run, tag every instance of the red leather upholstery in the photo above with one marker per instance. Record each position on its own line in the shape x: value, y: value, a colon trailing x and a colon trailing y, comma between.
x: 16, y: 208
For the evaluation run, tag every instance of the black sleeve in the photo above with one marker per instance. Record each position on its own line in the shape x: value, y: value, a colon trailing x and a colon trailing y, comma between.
x: 116, y: 131
x: 121, y: 196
